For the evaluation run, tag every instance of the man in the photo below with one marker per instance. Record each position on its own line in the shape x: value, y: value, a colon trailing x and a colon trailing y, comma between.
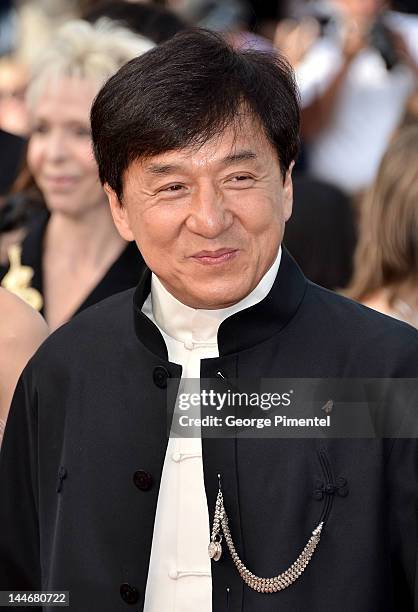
x: 195, y: 144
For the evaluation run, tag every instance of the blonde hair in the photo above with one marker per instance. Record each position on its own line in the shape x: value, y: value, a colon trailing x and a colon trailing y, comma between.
x: 387, y: 252
x: 87, y: 51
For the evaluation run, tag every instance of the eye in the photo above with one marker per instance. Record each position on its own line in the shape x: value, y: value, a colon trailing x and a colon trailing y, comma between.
x: 174, y: 188
x: 241, y: 180
x: 39, y: 128
x: 81, y: 131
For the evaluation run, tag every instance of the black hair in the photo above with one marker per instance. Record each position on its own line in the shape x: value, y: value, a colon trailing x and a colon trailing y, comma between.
x: 185, y: 92
x: 154, y: 22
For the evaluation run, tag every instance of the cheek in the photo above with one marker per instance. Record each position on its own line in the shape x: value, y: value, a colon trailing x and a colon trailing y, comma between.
x: 156, y: 227
x: 83, y: 157
x: 34, y: 156
x: 259, y: 216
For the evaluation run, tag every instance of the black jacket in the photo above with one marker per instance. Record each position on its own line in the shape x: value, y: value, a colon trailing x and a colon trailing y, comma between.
x: 86, y: 439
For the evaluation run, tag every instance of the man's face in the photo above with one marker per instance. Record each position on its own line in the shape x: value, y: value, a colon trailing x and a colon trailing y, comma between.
x: 208, y: 221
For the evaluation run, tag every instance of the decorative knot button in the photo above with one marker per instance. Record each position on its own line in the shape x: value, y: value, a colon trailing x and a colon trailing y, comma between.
x: 129, y: 593
x: 160, y: 376
x: 143, y: 480
x: 340, y: 488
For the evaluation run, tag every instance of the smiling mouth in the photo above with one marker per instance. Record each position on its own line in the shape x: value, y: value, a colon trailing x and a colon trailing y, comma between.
x: 210, y: 258
x: 61, y: 181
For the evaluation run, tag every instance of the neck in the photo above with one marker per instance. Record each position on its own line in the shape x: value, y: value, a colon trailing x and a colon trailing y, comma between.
x: 406, y: 291
x: 85, y: 237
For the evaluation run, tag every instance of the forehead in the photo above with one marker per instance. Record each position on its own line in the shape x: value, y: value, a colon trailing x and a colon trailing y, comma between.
x: 12, y: 75
x: 245, y: 140
x: 64, y: 96
x: 361, y: 7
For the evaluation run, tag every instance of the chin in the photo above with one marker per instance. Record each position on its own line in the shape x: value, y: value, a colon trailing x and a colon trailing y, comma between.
x: 61, y: 204
x: 66, y: 207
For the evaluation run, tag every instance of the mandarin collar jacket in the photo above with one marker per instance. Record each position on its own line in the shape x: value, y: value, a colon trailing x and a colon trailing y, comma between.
x: 86, y: 438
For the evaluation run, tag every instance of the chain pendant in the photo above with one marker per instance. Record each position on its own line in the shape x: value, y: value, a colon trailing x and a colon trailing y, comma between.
x: 261, y: 585
x: 215, y: 547
x: 215, y: 550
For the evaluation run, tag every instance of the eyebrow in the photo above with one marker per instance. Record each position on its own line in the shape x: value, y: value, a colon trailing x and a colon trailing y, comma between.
x: 163, y: 169
x: 238, y: 157
x: 69, y: 121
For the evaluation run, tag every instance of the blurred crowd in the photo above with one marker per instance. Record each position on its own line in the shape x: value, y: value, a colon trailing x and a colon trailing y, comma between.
x: 355, y: 223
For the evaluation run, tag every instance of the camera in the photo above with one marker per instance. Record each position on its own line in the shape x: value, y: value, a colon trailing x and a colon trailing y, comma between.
x: 381, y: 39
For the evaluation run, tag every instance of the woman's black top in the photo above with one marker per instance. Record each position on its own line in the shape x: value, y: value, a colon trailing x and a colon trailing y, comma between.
x: 123, y: 274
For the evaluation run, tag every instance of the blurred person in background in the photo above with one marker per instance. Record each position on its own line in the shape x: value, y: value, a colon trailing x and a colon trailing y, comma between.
x: 12, y: 153
x: 22, y: 330
x: 21, y: 206
x: 74, y: 252
x: 13, y: 119
x: 219, y: 15
x: 386, y: 260
x: 237, y: 20
x: 8, y: 26
x: 354, y: 83
x: 326, y: 254
x: 294, y: 37
x: 156, y: 23
x: 405, y: 6
x: 13, y: 82
x: 410, y: 116
x: 37, y: 22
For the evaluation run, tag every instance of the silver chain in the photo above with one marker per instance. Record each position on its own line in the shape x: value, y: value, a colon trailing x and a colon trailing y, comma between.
x: 262, y: 585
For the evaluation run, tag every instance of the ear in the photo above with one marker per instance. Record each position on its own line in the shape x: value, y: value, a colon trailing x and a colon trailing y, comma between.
x: 119, y: 214
x: 288, y: 193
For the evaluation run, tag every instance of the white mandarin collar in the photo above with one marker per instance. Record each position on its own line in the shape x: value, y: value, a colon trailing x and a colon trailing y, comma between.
x: 190, y: 325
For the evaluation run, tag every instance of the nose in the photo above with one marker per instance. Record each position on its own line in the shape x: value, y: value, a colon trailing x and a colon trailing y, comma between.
x: 55, y: 147
x: 209, y: 216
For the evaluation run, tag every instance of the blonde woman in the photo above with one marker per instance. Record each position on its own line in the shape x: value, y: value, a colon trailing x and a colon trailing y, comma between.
x: 386, y: 258
x: 22, y: 330
x: 73, y: 250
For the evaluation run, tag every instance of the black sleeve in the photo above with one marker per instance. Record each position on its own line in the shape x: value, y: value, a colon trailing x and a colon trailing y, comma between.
x: 403, y: 512
x: 19, y: 531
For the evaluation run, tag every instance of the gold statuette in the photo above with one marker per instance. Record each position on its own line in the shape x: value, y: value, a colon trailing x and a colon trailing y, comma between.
x: 18, y: 278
